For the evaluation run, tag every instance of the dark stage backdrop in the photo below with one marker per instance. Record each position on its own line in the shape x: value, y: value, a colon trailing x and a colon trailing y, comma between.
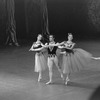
x: 2, y: 21
x: 81, y: 17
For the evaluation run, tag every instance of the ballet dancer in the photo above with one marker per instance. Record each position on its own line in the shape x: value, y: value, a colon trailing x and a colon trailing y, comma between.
x: 74, y: 59
x: 40, y: 60
x: 52, y: 57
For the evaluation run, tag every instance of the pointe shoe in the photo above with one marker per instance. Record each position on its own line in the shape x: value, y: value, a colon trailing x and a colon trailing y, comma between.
x: 39, y: 79
x: 67, y: 80
x: 50, y: 82
x: 62, y: 76
x: 10, y: 44
x: 16, y: 44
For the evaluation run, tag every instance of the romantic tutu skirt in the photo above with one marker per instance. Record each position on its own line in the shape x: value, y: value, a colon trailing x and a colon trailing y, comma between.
x: 75, y: 60
x: 40, y: 62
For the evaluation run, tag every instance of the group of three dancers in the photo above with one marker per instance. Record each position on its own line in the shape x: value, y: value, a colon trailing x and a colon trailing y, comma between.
x: 73, y: 60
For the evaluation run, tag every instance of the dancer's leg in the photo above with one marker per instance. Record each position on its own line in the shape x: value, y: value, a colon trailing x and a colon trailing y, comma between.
x: 67, y: 78
x: 50, y: 65
x: 40, y: 76
x: 56, y: 63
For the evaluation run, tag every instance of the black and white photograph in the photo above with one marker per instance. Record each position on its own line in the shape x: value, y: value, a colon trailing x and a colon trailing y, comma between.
x: 49, y: 49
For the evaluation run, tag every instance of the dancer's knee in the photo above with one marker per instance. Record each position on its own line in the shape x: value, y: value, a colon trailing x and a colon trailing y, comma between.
x: 50, y: 68
x: 58, y: 67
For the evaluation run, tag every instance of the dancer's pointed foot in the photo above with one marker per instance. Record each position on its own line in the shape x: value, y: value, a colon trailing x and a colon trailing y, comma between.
x: 67, y: 80
x: 16, y: 44
x: 62, y: 76
x: 50, y: 82
x: 39, y: 79
x: 10, y: 44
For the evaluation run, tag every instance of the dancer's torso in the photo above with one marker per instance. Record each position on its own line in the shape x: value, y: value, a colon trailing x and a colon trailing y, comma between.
x: 69, y: 45
x: 52, y: 50
x: 37, y: 46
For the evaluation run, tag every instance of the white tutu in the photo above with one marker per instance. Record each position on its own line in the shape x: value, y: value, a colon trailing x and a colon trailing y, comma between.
x: 76, y: 61
x: 40, y: 62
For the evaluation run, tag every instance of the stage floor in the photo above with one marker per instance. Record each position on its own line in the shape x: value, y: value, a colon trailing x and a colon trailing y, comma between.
x: 18, y: 81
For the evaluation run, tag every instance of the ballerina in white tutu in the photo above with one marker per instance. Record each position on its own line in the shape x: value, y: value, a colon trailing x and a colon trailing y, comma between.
x: 74, y: 59
x: 40, y: 58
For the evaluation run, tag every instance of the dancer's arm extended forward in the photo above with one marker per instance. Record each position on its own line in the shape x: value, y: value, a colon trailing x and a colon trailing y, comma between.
x: 56, y: 44
x: 36, y: 49
x: 96, y: 58
x: 70, y: 46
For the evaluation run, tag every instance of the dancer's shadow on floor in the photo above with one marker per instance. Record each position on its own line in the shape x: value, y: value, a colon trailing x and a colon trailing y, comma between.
x: 77, y: 84
x: 82, y: 85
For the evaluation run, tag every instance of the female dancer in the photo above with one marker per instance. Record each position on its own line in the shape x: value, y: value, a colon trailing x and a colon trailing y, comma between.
x: 40, y: 60
x: 74, y: 59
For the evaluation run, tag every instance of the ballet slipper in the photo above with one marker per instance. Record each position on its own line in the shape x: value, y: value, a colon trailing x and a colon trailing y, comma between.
x: 67, y: 80
x: 50, y: 82
x: 62, y: 76
x: 39, y: 79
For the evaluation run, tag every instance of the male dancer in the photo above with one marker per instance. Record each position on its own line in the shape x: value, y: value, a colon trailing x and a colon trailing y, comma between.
x: 52, y: 57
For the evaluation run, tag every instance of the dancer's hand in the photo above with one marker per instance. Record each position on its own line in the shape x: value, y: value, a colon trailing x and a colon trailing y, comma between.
x: 63, y: 53
x: 46, y: 46
x: 46, y: 43
x: 96, y: 58
x: 30, y: 49
x: 61, y: 47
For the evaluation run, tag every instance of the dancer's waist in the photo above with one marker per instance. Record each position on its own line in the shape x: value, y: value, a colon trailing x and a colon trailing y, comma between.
x: 69, y: 50
x: 52, y: 55
x: 39, y: 52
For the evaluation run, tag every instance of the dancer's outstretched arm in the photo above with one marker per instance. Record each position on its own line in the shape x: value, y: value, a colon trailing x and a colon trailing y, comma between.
x: 38, y: 49
x: 63, y: 52
x: 57, y: 44
x: 96, y: 58
x: 72, y: 46
x: 31, y: 47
